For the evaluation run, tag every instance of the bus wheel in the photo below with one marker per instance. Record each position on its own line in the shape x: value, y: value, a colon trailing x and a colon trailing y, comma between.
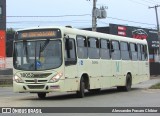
x: 41, y: 95
x: 128, y: 85
x: 81, y: 91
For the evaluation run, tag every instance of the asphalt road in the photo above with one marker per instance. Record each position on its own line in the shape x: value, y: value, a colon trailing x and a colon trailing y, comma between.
x: 139, y: 96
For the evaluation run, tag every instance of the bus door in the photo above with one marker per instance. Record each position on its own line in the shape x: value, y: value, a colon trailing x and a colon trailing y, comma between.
x: 71, y: 82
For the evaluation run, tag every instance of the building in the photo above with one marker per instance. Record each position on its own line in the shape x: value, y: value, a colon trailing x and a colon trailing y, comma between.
x: 150, y: 35
x: 2, y: 33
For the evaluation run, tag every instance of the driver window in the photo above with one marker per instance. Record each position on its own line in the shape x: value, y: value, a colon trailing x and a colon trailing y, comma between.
x: 70, y: 52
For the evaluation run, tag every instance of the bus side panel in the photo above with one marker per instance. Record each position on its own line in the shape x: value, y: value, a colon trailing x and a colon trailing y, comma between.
x: 141, y: 71
x: 82, y: 67
x: 71, y: 82
x: 135, y: 71
x: 126, y: 68
x: 106, y: 73
x: 94, y: 73
x: 116, y: 72
x: 146, y: 73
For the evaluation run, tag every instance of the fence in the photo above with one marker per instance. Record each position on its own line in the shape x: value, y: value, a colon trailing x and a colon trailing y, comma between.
x: 6, y: 76
x: 6, y: 79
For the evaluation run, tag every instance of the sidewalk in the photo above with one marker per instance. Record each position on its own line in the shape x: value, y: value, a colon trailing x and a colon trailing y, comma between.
x: 149, y: 83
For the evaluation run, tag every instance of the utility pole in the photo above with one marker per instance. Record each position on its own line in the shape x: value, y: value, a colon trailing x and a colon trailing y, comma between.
x: 158, y: 29
x: 97, y: 13
x: 94, y: 18
x: 155, y: 7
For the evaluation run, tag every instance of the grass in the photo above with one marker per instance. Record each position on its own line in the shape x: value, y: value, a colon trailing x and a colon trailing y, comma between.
x: 6, y: 85
x: 156, y: 86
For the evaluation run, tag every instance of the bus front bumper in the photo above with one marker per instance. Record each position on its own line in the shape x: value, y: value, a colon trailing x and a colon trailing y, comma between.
x: 35, y: 88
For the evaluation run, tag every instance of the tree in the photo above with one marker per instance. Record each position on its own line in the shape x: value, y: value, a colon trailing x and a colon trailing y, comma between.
x: 9, y: 41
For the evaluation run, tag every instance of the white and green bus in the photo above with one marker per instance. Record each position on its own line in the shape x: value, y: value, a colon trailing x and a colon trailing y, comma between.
x: 62, y: 59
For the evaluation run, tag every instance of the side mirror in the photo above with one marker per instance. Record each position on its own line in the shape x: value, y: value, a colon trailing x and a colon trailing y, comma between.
x: 68, y: 45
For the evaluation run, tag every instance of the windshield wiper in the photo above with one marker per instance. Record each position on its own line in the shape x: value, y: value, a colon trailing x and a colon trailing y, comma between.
x: 26, y: 50
x: 42, y: 48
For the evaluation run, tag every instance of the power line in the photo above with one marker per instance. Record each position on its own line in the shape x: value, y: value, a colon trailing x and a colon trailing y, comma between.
x: 48, y: 16
x: 78, y: 21
x: 138, y: 2
x: 130, y: 21
x: 66, y: 21
x: 38, y: 21
x: 156, y: 1
x: 149, y: 1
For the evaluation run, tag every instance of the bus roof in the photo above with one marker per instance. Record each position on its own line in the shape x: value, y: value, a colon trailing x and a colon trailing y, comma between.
x: 68, y: 30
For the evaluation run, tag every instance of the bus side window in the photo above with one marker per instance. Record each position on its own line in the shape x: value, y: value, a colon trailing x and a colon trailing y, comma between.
x: 115, y: 50
x: 133, y: 51
x: 144, y: 52
x: 93, y: 48
x: 70, y: 52
x: 82, y: 47
x: 139, y: 52
x: 105, y: 49
x: 124, y: 51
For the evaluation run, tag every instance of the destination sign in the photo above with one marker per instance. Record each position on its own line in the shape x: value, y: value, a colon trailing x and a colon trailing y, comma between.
x: 40, y: 34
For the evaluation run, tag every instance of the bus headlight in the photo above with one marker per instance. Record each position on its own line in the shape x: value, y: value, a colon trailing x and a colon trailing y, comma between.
x: 17, y: 79
x: 56, y: 77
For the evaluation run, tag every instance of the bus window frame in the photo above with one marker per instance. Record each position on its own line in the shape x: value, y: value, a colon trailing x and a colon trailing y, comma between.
x: 108, y: 48
x: 144, y: 54
x: 97, y: 47
x: 69, y: 61
x: 85, y: 46
x: 136, y: 51
x: 128, y: 50
x: 139, y: 58
x: 113, y: 50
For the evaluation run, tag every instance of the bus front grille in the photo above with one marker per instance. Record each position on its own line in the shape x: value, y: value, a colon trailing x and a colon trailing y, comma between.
x: 33, y: 81
x: 35, y: 86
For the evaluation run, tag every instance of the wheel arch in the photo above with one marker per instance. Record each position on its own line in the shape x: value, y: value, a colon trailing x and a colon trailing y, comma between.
x: 129, y: 73
x: 86, y: 80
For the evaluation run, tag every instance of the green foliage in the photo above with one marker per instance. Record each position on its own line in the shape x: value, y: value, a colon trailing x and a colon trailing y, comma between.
x: 10, y: 31
x: 156, y: 86
x: 6, y: 82
x: 9, y: 41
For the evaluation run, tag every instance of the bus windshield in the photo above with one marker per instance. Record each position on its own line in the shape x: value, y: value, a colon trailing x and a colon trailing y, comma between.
x: 37, y: 55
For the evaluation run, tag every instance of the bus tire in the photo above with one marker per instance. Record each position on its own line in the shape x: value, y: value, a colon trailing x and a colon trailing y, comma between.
x: 41, y: 95
x: 128, y: 85
x: 80, y: 93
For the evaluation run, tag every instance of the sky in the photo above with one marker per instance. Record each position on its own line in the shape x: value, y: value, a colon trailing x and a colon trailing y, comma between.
x: 77, y: 13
